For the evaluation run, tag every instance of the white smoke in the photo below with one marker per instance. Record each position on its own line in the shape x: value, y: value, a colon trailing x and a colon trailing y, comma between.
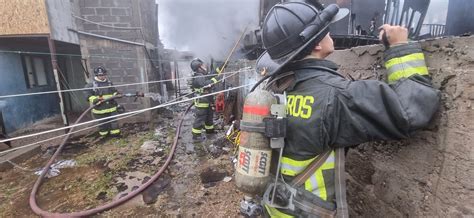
x: 208, y: 28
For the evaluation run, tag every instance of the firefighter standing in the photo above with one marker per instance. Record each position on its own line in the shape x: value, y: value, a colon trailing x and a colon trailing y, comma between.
x: 325, y: 110
x: 102, y: 88
x: 203, y: 106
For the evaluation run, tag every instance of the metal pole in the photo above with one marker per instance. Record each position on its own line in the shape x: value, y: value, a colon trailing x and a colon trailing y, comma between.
x: 177, y: 78
x: 54, y: 63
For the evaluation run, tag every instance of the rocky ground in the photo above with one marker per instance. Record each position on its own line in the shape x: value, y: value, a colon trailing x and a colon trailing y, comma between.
x: 195, y: 183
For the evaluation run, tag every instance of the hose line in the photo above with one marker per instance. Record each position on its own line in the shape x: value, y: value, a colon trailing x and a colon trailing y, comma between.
x: 36, y: 209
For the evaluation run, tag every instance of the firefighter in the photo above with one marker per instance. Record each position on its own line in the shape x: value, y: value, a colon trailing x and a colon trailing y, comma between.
x: 204, y: 114
x: 96, y: 95
x: 326, y: 111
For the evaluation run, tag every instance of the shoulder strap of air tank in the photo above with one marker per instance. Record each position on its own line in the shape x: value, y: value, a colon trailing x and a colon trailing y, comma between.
x: 315, y: 164
x: 280, y: 82
x: 340, y: 182
x: 340, y: 185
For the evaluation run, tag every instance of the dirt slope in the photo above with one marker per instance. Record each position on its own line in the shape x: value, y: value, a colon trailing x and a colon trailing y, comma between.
x: 431, y: 174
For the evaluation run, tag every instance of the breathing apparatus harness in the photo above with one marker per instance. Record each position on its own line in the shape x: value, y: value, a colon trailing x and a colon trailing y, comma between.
x: 292, y: 195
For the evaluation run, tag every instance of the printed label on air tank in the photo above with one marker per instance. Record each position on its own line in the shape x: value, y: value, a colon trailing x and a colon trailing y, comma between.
x: 254, y: 163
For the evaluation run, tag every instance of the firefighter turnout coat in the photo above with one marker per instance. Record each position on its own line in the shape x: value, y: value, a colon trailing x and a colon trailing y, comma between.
x: 326, y: 111
x: 103, y: 90
x: 203, y: 113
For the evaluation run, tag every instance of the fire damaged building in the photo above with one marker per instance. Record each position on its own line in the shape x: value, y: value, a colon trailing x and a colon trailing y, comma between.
x: 361, y: 26
x: 53, y: 45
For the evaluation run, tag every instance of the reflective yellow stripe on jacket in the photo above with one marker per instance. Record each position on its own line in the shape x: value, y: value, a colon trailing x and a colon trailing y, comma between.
x: 199, y: 104
x: 406, y: 66
x: 275, y: 213
x: 93, y: 97
x: 104, y: 111
x: 315, y: 183
x: 199, y: 90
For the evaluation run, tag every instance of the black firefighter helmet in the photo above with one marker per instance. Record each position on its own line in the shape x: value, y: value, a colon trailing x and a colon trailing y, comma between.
x: 100, y: 71
x: 196, y: 64
x: 289, y: 27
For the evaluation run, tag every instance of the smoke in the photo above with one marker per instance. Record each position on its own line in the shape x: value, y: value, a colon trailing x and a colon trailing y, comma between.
x: 437, y: 12
x: 207, y: 28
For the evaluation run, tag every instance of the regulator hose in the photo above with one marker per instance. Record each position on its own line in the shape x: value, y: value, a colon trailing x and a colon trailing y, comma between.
x: 36, y: 209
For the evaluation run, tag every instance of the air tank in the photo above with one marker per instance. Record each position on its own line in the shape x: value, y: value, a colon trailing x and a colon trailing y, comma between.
x: 254, y: 156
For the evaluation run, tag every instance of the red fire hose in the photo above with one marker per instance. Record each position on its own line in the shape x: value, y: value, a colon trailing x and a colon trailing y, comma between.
x: 34, y: 206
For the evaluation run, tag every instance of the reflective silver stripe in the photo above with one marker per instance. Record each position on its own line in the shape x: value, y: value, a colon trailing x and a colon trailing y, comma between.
x: 406, y: 65
x: 331, y: 158
x: 314, y: 185
x: 296, y: 169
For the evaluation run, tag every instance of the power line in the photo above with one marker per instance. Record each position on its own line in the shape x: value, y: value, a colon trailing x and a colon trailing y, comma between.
x: 83, y: 129
x: 119, y: 115
x: 86, y: 56
x: 120, y: 85
x: 104, y: 25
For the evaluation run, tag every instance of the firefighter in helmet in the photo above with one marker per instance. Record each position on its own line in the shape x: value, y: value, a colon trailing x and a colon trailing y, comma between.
x: 204, y: 114
x: 326, y: 111
x: 102, y: 88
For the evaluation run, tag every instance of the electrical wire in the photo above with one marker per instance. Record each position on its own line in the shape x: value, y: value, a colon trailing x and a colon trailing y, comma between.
x: 123, y: 114
x: 119, y: 85
x: 130, y: 114
x: 83, y: 129
x: 86, y: 56
x: 113, y: 27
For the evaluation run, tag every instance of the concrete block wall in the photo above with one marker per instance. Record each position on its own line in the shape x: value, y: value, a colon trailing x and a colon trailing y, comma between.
x: 126, y: 63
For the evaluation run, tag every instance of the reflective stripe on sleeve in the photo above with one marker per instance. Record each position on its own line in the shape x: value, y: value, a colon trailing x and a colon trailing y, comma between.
x: 92, y: 98
x: 406, y: 66
x: 104, y: 111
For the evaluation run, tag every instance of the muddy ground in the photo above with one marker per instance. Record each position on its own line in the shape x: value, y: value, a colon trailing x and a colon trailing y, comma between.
x: 108, y: 169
